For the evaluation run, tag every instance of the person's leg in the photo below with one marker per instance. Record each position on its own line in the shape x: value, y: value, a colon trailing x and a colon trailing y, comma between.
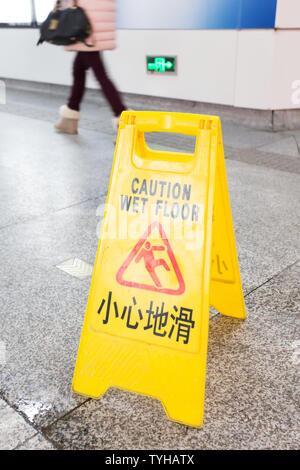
x: 78, y: 88
x: 110, y: 92
x: 69, y: 113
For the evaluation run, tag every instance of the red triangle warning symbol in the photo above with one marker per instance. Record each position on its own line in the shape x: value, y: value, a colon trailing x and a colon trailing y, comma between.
x: 146, y: 253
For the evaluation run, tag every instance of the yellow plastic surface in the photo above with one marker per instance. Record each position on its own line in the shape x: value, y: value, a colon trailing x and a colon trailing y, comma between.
x: 166, y: 253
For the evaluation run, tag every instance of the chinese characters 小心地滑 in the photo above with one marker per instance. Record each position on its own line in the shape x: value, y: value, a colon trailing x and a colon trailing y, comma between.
x: 163, y: 323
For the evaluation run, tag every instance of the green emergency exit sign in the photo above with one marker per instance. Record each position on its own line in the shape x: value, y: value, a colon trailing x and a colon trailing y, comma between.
x: 161, y: 64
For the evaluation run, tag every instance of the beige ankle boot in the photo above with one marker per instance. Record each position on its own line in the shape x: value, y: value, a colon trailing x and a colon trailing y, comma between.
x: 69, y: 120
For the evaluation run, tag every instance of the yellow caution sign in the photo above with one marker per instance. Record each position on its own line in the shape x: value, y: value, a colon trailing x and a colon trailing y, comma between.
x: 166, y: 253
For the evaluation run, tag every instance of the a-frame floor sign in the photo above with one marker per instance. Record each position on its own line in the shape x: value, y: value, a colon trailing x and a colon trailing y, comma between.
x: 166, y: 253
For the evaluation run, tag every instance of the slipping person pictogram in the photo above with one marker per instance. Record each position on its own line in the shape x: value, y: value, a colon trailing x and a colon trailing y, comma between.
x: 145, y: 251
x: 151, y: 263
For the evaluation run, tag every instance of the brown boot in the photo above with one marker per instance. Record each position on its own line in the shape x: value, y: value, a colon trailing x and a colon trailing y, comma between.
x: 69, y: 120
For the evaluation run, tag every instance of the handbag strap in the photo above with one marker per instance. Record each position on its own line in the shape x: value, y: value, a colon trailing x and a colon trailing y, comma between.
x: 58, y: 4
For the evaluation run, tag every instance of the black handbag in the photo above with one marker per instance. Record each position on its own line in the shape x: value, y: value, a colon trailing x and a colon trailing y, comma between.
x: 64, y: 27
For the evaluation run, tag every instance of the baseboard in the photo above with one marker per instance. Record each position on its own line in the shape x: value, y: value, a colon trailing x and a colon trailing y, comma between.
x: 275, y: 120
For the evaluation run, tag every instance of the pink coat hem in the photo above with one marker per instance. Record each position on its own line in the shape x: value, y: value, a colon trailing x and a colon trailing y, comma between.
x: 102, y: 15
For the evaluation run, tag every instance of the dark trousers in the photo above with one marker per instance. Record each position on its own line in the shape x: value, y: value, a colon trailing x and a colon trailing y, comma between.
x: 93, y: 60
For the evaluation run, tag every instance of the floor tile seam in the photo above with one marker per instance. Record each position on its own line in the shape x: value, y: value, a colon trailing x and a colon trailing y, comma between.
x: 33, y: 426
x: 51, y: 212
x: 272, y: 277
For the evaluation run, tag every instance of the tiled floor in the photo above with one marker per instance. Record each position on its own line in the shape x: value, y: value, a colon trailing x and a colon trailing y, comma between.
x: 50, y: 188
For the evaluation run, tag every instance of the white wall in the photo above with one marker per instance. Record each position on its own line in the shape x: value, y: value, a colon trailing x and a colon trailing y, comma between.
x: 254, y: 69
x: 206, y: 64
x: 206, y: 61
x: 248, y: 68
x: 21, y: 59
x: 286, y: 64
x: 286, y: 68
x: 288, y: 14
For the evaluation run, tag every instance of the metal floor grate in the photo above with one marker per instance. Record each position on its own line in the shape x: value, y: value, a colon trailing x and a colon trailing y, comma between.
x: 76, y: 268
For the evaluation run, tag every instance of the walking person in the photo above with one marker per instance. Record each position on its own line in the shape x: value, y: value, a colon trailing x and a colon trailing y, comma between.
x: 101, y: 14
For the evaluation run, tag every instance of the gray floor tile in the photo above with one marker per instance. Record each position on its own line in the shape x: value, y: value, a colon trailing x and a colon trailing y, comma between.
x: 280, y: 294
x: 263, y: 330
x: 36, y: 179
x: 266, y: 220
x: 238, y: 136
x: 94, y: 103
x: 42, y: 315
x: 43, y: 308
x: 270, y: 160
x: 13, y: 429
x: 251, y: 400
x: 295, y: 133
x: 285, y: 146
x: 50, y: 240
x: 119, y: 420
x: 37, y: 442
x: 273, y: 317
x: 14, y: 206
x: 250, y: 403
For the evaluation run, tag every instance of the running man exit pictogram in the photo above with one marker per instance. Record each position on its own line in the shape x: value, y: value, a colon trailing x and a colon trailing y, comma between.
x: 144, y: 253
